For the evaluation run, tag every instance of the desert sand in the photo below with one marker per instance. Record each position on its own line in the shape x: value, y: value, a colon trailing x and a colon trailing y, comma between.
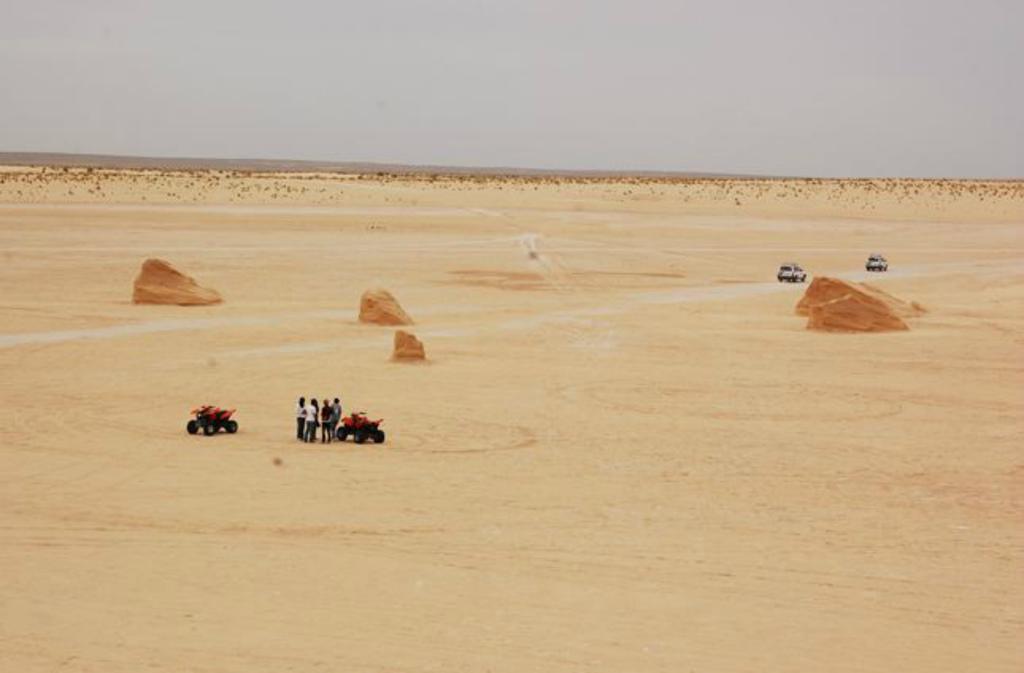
x: 627, y: 454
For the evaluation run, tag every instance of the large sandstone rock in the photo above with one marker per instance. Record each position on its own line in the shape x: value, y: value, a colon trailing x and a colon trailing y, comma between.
x: 408, y: 347
x: 160, y: 283
x: 854, y: 313
x: 835, y: 305
x: 823, y: 289
x: 379, y: 307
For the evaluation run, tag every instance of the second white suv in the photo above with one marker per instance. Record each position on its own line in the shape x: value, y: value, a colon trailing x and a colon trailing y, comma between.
x: 877, y: 263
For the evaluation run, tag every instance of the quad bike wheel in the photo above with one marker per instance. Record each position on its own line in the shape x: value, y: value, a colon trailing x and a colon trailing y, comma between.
x: 192, y: 427
x: 378, y: 437
x: 231, y: 427
x: 342, y: 434
x: 360, y: 436
x: 209, y: 429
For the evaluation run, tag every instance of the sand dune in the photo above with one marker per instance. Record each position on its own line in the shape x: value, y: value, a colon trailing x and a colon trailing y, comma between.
x: 627, y: 454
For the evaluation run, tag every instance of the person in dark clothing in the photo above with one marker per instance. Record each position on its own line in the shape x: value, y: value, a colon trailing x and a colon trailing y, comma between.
x: 325, y: 422
x: 335, y: 417
x: 300, y: 418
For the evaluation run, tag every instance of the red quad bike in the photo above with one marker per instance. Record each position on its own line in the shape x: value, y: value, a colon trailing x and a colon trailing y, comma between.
x: 210, y: 419
x: 361, y: 428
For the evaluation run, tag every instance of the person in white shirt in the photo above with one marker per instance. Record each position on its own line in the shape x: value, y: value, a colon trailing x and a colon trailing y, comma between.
x: 312, y: 411
x: 300, y: 418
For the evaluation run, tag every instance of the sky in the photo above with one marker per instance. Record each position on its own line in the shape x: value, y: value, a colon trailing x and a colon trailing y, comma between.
x: 923, y: 88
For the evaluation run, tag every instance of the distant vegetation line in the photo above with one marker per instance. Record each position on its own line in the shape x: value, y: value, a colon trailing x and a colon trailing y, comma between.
x: 67, y: 160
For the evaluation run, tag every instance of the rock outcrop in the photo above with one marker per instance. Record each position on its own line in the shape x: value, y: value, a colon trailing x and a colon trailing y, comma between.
x: 835, y: 305
x: 408, y: 347
x: 379, y: 307
x: 823, y: 289
x: 160, y: 283
x: 854, y: 313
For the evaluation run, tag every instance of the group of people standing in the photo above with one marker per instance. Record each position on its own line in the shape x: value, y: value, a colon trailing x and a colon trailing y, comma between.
x: 310, y: 416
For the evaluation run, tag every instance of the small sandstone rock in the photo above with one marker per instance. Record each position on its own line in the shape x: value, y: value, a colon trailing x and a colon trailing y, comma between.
x: 160, y: 283
x: 408, y: 347
x: 379, y: 307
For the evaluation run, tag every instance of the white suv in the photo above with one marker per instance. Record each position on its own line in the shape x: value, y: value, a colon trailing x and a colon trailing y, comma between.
x: 791, y: 273
x: 877, y: 263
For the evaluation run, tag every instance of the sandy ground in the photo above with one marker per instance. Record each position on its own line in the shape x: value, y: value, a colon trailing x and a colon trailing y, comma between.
x: 626, y: 454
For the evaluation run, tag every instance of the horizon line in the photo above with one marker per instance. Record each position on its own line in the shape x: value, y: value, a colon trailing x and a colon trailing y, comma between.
x: 150, y: 162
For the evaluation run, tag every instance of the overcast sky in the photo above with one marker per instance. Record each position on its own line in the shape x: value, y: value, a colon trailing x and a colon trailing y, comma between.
x: 793, y: 87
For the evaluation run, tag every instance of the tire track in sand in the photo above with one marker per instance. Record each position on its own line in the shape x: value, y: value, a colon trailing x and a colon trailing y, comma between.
x: 693, y: 294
